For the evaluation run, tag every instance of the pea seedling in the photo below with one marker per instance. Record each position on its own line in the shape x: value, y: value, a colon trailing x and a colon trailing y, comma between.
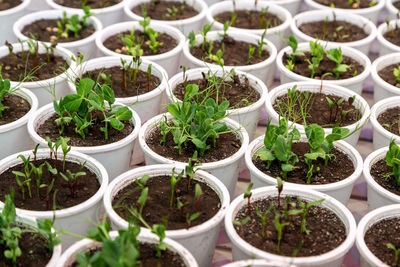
x: 396, y: 73
x: 336, y: 56
x: 393, y: 160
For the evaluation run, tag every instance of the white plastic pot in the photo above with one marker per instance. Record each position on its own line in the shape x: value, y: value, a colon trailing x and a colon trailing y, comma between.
x: 84, y: 46
x: 108, y: 15
x: 386, y: 47
x: 14, y: 136
x: 200, y: 240
x: 381, y: 136
x: 76, y: 219
x: 247, y: 116
x: 194, y: 23
x: 377, y: 195
x: 340, y: 190
x: 382, y: 89
x: 146, y: 105
x: 272, y: 33
x: 328, y: 89
x: 392, y: 10
x: 362, y: 45
x: 169, y: 60
x: 257, y: 263
x: 31, y: 224
x: 41, y: 88
x: 354, y: 83
x: 264, y: 70
x: 7, y: 19
x: 371, y: 13
x: 68, y: 257
x: 367, y: 258
x: 243, y: 250
x: 115, y: 156
x: 226, y: 170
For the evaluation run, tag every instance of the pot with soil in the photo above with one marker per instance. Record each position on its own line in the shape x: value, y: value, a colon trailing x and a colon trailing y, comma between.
x: 246, y: 93
x: 165, y: 49
x: 37, y: 69
x: 50, y: 26
x: 221, y: 158
x: 195, y: 225
x: 386, y: 75
x: 389, y: 37
x: 232, y: 49
x: 327, y: 105
x: 36, y: 241
x: 106, y: 132
x: 369, y: 9
x: 380, y: 172
x: 143, y: 93
x: 252, y: 17
x: 10, y: 11
x: 65, y: 184
x: 333, y: 173
x: 334, y: 27
x: 393, y: 7
x: 145, y: 250
x: 19, y: 105
x: 108, y: 12
x: 186, y: 16
x: 385, y: 116
x: 377, y: 237
x: 337, y: 65
x: 319, y: 231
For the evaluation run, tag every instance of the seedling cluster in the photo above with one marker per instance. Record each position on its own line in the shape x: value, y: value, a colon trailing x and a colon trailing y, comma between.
x: 11, y: 232
x: 318, y: 53
x: 92, y: 103
x: 393, y: 160
x: 31, y: 176
x: 281, y: 216
x: 133, y: 43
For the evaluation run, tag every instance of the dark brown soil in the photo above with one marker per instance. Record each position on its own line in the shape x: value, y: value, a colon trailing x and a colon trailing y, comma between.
x: 345, y: 3
x: 250, y: 19
x: 8, y: 4
x: 46, y: 30
x: 379, y: 170
x: 148, y: 257
x: 346, y: 33
x: 34, y: 252
x: 381, y: 233
x: 94, y: 138
x: 325, y: 66
x: 159, y: 10
x: 115, y: 43
x: 17, y: 108
x: 116, y: 76
x: 327, y: 231
x: 389, y: 119
x: 18, y: 67
x: 387, y: 75
x: 226, y: 145
x: 337, y: 169
x: 236, y: 52
x: 397, y: 4
x: 393, y: 36
x: 88, y: 185
x: 92, y: 3
x: 158, y: 208
x: 239, y: 94
x: 317, y: 109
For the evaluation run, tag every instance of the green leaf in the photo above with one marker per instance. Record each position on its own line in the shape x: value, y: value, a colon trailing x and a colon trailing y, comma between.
x: 123, y: 113
x: 315, y: 135
x: 116, y: 124
x: 72, y: 102
x: 85, y: 87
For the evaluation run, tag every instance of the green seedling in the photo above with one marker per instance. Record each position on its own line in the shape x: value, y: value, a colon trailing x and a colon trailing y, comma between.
x: 38, y: 172
x: 141, y: 202
x: 396, y: 73
x: 190, y: 218
x: 317, y: 52
x: 263, y: 217
x: 192, y: 40
x: 241, y: 223
x: 206, y: 29
x: 393, y: 160
x: 250, y: 53
x: 396, y: 253
x: 26, y: 175
x: 247, y: 194
x: 174, y: 181
x: 72, y: 179
x: 336, y: 56
x: 279, y: 226
x: 261, y: 43
x: 306, y: 207
x: 189, y: 170
x: 5, y: 89
x: 292, y: 42
x: 198, y: 196
x: 45, y: 228
x: 159, y: 230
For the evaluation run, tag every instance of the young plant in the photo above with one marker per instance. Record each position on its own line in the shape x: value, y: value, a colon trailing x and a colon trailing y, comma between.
x: 174, y: 181
x: 336, y: 112
x: 261, y: 43
x: 393, y: 160
x: 74, y: 23
x: 396, y: 253
x: 141, y: 202
x: 336, y: 56
x: 72, y: 179
x: 206, y: 29
x: 190, y: 170
x: 277, y: 146
x: 292, y: 42
x: 159, y: 230
x: 45, y: 228
x: 5, y: 89
x: 396, y: 73
x: 279, y: 226
x: 241, y: 223
x: 247, y: 194
x: 26, y: 175
x: 306, y: 207
x: 192, y: 40
x: 317, y: 52
x: 250, y: 53
x: 191, y: 217
x: 198, y: 196
x: 263, y: 217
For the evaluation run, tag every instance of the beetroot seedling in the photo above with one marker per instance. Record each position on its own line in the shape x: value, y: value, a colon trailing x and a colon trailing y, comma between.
x: 247, y: 194
x: 263, y: 217
x: 174, y: 181
x: 241, y: 223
